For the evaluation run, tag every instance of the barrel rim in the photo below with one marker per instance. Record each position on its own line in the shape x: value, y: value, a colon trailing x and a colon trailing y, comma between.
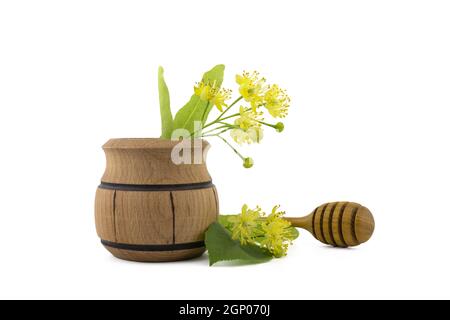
x: 149, y: 143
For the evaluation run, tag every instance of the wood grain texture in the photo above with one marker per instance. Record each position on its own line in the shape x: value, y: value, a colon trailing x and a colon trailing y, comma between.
x: 340, y: 224
x: 144, y: 217
x: 364, y: 224
x: 166, y: 217
x: 337, y: 221
x: 348, y: 224
x: 194, y: 210
x: 216, y: 196
x: 157, y: 256
x: 317, y: 223
x: 148, y: 161
x: 104, y: 214
x: 153, y: 217
x: 327, y: 226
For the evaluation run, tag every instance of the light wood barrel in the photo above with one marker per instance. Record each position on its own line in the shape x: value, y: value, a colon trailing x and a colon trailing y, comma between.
x: 149, y: 209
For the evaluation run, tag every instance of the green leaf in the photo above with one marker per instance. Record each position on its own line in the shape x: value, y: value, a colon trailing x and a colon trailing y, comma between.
x: 197, y: 109
x: 215, y: 74
x: 221, y: 247
x: 191, y: 112
x: 164, y: 106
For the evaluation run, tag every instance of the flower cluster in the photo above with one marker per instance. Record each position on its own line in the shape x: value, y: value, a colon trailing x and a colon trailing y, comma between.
x: 271, y: 232
x: 245, y: 126
x: 258, y: 94
x: 254, y: 90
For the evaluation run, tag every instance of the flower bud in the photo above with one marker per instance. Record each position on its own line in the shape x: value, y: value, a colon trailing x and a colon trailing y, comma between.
x: 279, y: 127
x: 248, y: 162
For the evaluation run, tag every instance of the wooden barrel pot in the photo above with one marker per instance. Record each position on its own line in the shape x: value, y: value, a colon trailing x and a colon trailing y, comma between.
x: 150, y: 209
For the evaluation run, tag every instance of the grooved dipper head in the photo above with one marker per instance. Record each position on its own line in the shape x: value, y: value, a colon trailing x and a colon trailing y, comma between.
x: 342, y: 224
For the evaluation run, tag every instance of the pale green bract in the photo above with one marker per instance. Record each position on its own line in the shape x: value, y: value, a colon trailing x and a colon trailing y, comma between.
x: 164, y: 105
x: 196, y: 109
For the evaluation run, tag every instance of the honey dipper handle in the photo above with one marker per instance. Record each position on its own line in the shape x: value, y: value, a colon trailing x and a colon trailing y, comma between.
x: 303, y: 222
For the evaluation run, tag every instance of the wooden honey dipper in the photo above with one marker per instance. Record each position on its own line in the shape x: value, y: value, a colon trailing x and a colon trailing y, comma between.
x: 340, y: 224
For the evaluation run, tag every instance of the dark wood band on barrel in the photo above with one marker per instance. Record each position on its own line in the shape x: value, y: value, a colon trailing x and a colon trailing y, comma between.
x: 156, y: 187
x: 154, y: 247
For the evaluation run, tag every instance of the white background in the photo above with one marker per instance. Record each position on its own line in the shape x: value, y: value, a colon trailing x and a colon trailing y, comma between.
x: 369, y: 123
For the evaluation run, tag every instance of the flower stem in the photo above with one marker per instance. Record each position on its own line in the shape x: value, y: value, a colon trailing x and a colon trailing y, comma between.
x: 232, y: 116
x: 266, y: 124
x: 228, y: 125
x: 215, y: 134
x: 223, y: 113
x: 217, y: 128
x: 231, y: 105
x: 233, y: 148
x: 219, y: 118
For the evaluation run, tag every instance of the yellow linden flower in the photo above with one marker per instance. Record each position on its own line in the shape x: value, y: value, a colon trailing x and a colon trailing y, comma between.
x: 252, y: 88
x: 209, y: 92
x: 255, y: 134
x: 250, y: 136
x: 220, y: 97
x: 244, y: 224
x: 240, y: 136
x: 275, y: 215
x: 276, y: 101
x: 248, y: 119
x: 273, y: 241
x: 249, y: 129
x: 204, y: 91
x: 276, y: 233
